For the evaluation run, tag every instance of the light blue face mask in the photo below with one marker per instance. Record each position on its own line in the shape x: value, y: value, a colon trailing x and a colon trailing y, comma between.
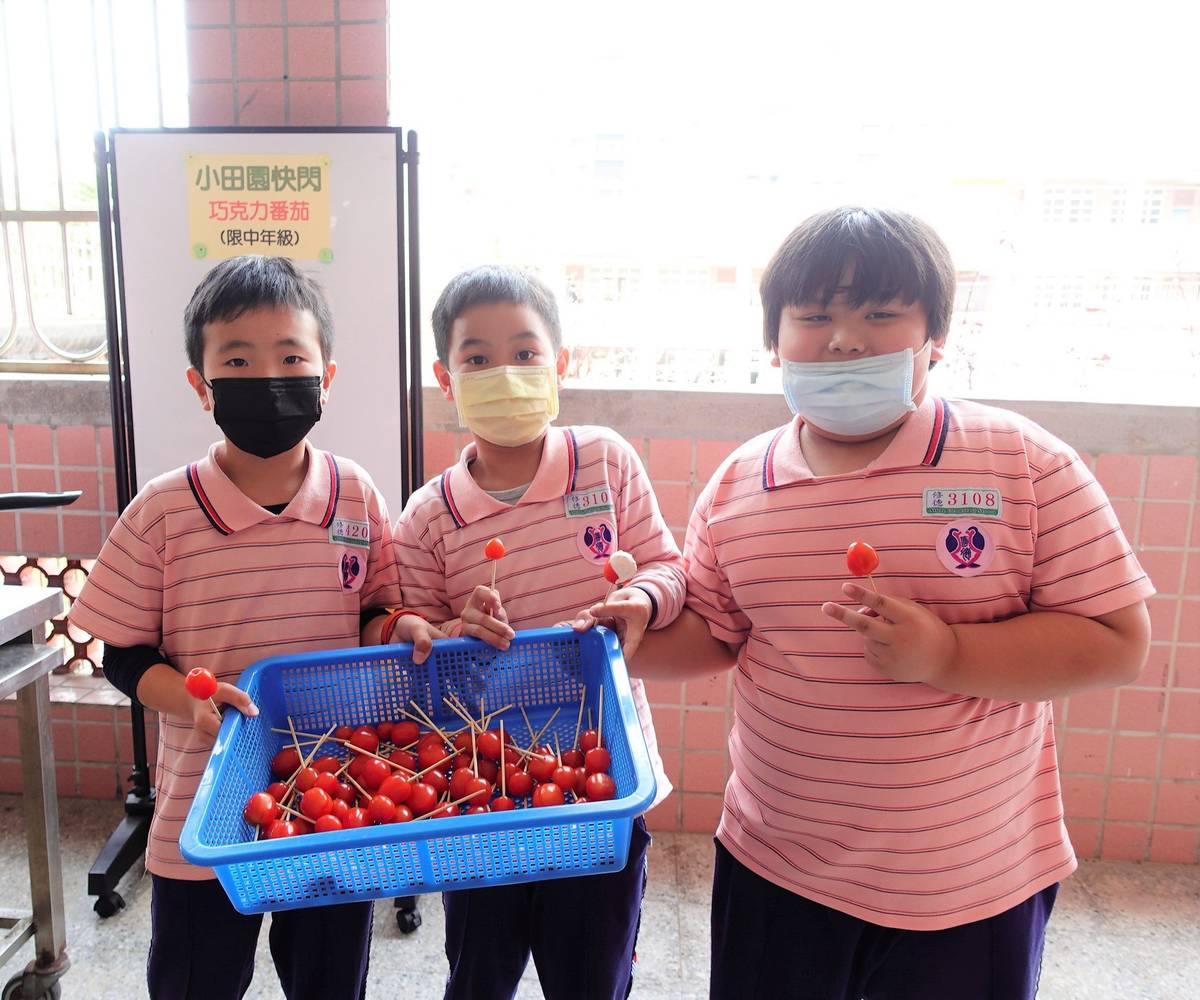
x: 851, y: 398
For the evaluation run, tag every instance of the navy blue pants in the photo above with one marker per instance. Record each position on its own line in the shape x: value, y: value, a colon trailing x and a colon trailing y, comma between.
x: 580, y: 931
x: 201, y: 948
x: 770, y: 943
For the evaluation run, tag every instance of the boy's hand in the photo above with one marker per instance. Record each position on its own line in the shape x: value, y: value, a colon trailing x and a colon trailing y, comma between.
x: 208, y: 721
x: 627, y: 611
x: 415, y: 629
x: 904, y: 640
x: 484, y: 618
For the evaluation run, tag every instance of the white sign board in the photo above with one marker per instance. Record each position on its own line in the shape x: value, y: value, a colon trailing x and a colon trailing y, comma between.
x: 359, y: 271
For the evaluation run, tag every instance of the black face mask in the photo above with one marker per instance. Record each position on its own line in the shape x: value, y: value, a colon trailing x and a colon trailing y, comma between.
x: 266, y: 416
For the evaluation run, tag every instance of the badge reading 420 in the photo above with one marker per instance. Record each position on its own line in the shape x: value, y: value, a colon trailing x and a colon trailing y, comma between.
x: 268, y: 203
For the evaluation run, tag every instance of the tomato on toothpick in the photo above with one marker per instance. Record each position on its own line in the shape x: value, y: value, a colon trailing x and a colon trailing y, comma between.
x: 404, y: 733
x: 327, y: 764
x: 520, y: 784
x: 381, y: 809
x: 356, y: 817
x: 306, y: 778
x: 572, y: 757
x: 374, y: 773
x: 365, y: 738
x: 261, y: 809
x: 489, y: 744
x: 315, y: 803
x: 494, y: 551
x: 281, y: 828
x: 328, y: 823
x: 542, y: 766
x: 343, y: 733
x: 328, y: 783
x: 548, y: 794
x: 403, y: 815
x: 502, y: 803
x: 278, y: 790
x: 597, y: 761
x: 397, y: 788
x: 285, y: 763
x: 422, y: 799
x: 202, y: 685
x: 340, y: 810
x: 600, y: 787
x: 862, y: 560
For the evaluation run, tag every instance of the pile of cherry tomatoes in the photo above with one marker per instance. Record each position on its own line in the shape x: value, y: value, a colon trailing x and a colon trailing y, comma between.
x: 397, y: 772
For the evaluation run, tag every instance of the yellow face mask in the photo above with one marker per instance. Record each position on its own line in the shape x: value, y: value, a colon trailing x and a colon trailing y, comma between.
x: 508, y: 406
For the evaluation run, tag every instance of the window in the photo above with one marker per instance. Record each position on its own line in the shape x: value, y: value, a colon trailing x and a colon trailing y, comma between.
x: 69, y: 68
x: 648, y: 165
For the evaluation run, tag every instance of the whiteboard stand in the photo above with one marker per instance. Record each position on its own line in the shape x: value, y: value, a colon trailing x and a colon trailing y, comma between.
x: 374, y: 290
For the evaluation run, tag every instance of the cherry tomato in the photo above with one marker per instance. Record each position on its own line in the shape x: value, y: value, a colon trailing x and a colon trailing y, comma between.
x: 462, y: 743
x: 542, y: 766
x: 381, y: 809
x: 355, y: 770
x: 580, y: 781
x: 564, y: 777
x: 444, y: 812
x: 600, y: 787
x: 475, y: 810
x: 548, y: 795
x: 422, y: 799
x: 480, y: 790
x: 597, y: 760
x: 572, y: 758
x: 340, y: 810
x: 356, y: 817
x: 458, y: 782
x: 261, y: 809
x: 403, y: 815
x: 502, y: 803
x: 315, y: 803
x: 281, y: 828
x: 285, y: 763
x: 405, y: 759
x: 328, y: 783
x: 438, y: 782
x: 384, y: 729
x: 404, y: 733
x: 302, y: 826
x: 430, y: 755
x: 520, y: 784
x: 587, y: 739
x: 431, y: 739
x: 343, y: 733
x: 861, y: 559
x: 200, y: 683
x: 277, y: 790
x: 488, y: 769
x: 375, y: 772
x: 328, y: 823
x: 494, y: 549
x: 512, y: 755
x: 489, y: 744
x: 306, y: 778
x: 345, y: 792
x: 330, y: 764
x: 397, y: 788
x: 365, y: 738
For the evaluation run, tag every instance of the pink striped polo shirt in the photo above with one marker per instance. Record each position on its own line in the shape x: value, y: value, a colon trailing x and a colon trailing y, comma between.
x: 590, y: 497
x: 896, y: 802
x: 197, y: 569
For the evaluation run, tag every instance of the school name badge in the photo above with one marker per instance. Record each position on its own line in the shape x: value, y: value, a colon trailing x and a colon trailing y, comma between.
x: 588, y: 503
x: 969, y: 501
x: 343, y: 531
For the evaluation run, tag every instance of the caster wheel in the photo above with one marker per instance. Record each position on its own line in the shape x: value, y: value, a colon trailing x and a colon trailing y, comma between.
x: 408, y: 921
x: 108, y: 904
x: 13, y: 990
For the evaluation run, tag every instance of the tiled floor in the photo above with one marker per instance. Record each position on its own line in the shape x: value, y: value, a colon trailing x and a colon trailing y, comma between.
x: 1119, y: 932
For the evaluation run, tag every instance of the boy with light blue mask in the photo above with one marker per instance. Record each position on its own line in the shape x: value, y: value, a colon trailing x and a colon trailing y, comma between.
x: 893, y: 821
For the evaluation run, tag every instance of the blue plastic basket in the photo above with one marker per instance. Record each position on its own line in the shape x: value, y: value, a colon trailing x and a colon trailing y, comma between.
x: 542, y: 670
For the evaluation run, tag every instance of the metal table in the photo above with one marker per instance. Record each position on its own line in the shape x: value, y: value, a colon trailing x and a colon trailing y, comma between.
x: 25, y: 664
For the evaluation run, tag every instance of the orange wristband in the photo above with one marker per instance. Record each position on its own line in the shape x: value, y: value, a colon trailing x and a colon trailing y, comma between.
x: 389, y: 623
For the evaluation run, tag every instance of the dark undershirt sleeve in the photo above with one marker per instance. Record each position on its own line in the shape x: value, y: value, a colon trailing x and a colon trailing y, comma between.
x: 124, y: 666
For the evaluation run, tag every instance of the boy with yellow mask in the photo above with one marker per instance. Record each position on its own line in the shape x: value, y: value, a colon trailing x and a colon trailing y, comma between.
x: 563, y: 499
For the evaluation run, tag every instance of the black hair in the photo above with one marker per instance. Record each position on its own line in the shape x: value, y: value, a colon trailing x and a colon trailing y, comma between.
x: 894, y: 256
x: 492, y: 283
x: 240, y: 284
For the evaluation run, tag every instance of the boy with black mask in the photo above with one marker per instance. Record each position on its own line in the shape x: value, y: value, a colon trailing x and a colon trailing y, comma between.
x: 266, y: 546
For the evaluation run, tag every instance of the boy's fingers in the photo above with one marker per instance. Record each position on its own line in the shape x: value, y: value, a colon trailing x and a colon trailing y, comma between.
x: 872, y: 628
x: 632, y: 640
x: 229, y: 695
x: 875, y: 601
x: 494, y: 636
x: 421, y: 648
